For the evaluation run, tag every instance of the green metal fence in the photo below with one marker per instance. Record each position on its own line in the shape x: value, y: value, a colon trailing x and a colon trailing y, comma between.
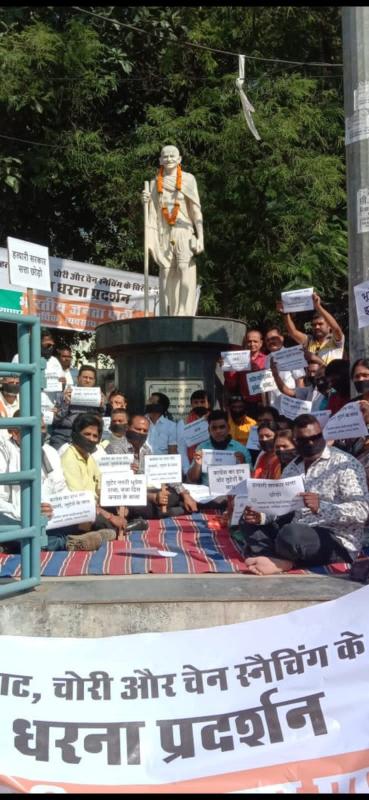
x: 31, y: 530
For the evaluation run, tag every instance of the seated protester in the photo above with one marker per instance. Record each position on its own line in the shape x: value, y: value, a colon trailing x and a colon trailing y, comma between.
x: 327, y: 339
x: 236, y: 382
x: 167, y: 502
x: 66, y: 412
x: 116, y: 399
x: 267, y: 464
x: 53, y: 366
x: 82, y: 472
x: 64, y: 355
x: 337, y: 376
x: 329, y: 527
x: 238, y: 421
x: 200, y: 407
x: 313, y: 380
x: 162, y: 436
x: 267, y: 414
x: 52, y: 482
x: 274, y: 342
x: 9, y: 400
x: 284, y: 446
x: 118, y: 426
x: 219, y: 439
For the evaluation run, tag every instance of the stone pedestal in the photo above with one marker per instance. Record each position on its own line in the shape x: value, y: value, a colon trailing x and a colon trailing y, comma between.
x: 174, y: 355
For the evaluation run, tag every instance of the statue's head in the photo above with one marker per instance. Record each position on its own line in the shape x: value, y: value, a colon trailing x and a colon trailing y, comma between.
x: 170, y: 156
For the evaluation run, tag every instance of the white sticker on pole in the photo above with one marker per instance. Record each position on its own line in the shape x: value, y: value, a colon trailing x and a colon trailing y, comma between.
x: 28, y: 264
x: 361, y: 96
x: 291, y: 407
x: 260, y: 381
x: 363, y: 210
x: 357, y: 127
x: 217, y: 458
x: 72, y: 509
x: 236, y: 360
x: 297, y: 300
x: 163, y: 469
x: 348, y: 423
x: 224, y: 480
x: 126, y: 489
x: 361, y: 292
x: 86, y: 396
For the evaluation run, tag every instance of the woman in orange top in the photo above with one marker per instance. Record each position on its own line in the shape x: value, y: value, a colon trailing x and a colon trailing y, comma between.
x: 267, y: 464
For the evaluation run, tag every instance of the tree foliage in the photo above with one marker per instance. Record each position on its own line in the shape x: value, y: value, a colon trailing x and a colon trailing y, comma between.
x: 86, y: 105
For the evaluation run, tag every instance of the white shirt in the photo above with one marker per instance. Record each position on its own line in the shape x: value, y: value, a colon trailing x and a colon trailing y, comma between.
x: 51, y: 482
x: 162, y: 434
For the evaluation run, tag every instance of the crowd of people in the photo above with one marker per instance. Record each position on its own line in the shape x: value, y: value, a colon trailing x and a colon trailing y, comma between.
x: 329, y: 527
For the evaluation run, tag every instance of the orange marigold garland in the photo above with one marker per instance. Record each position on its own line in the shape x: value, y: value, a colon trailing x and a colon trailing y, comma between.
x: 170, y: 218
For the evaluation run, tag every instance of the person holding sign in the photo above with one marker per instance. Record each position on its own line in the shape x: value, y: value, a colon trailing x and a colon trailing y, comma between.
x: 200, y: 409
x: 66, y: 412
x: 327, y: 339
x: 329, y: 526
x: 267, y: 463
x: 219, y: 439
x: 239, y: 423
x: 236, y: 382
x: 274, y: 343
x: 312, y: 390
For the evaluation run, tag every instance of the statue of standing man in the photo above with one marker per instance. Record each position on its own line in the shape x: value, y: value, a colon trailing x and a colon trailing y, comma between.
x: 175, y: 233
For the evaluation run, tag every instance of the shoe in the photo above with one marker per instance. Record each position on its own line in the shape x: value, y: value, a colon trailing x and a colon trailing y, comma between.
x: 138, y: 524
x: 84, y: 541
x: 107, y: 534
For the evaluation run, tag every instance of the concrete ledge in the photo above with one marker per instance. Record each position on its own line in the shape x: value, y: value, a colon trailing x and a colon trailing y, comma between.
x: 67, y: 607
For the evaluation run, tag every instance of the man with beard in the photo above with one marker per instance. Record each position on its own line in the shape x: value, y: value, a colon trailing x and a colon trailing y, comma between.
x: 329, y: 527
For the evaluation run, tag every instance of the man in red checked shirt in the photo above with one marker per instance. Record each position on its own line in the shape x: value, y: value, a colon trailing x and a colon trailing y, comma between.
x: 236, y: 382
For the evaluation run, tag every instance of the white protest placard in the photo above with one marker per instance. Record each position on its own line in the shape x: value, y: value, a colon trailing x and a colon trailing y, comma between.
x: 28, y: 264
x: 297, y: 300
x: 275, y: 497
x: 199, y: 492
x: 260, y: 381
x: 271, y: 706
x: 114, y: 461
x: 223, y: 480
x: 196, y: 432
x: 322, y: 417
x: 48, y: 416
x: 253, y: 440
x: 125, y: 489
x: 236, y: 360
x: 361, y: 292
x: 53, y: 384
x: 348, y: 423
x: 72, y: 509
x: 291, y: 407
x: 216, y: 458
x: 362, y: 206
x: 86, y: 396
x: 163, y: 469
x: 289, y: 358
x: 240, y: 503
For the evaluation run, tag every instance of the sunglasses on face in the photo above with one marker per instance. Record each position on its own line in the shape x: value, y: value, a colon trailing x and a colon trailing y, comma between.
x: 302, y: 439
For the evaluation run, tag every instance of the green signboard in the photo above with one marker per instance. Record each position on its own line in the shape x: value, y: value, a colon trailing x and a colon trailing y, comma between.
x: 11, y: 302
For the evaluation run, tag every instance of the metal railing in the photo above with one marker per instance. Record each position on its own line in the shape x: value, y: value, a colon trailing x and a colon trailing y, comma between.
x: 31, y: 530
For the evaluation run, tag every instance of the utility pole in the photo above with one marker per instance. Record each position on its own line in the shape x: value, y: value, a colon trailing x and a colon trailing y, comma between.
x: 355, y: 31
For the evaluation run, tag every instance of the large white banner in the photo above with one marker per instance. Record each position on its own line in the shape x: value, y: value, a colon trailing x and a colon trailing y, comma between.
x: 277, y: 705
x: 86, y: 295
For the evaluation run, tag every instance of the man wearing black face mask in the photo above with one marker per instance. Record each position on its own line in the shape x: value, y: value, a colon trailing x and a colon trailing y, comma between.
x: 329, y: 527
x: 9, y: 402
x: 118, y: 428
